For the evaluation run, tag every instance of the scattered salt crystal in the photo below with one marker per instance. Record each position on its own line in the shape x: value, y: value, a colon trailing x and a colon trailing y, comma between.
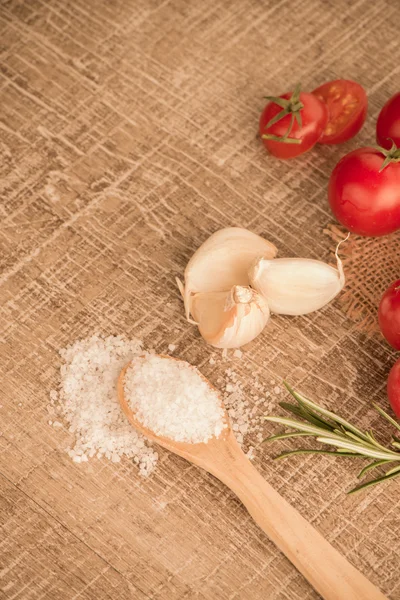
x: 277, y: 390
x: 234, y: 400
x: 57, y: 424
x: 212, y: 360
x: 171, y: 347
x: 172, y: 399
x: 250, y: 453
x: 238, y: 353
x: 89, y: 403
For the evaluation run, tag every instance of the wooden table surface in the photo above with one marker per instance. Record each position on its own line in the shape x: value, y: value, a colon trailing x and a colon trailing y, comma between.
x: 128, y: 134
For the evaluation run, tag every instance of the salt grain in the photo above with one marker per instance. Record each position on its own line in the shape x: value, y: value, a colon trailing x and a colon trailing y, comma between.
x: 89, y: 403
x: 234, y: 400
x: 173, y: 400
x: 238, y: 353
x: 171, y: 347
x: 250, y: 453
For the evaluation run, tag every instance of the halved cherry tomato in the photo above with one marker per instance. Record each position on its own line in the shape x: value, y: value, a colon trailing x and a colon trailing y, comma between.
x: 298, y: 129
x: 388, y: 124
x: 347, y: 108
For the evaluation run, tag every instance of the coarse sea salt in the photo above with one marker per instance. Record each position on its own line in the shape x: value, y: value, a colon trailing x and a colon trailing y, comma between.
x: 245, y: 415
x: 89, y: 404
x: 172, y: 399
x: 87, y: 401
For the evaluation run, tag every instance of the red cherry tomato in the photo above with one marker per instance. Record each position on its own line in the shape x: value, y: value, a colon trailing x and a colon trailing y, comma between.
x: 388, y: 124
x: 314, y: 116
x: 389, y: 314
x: 393, y: 388
x: 364, y: 198
x: 347, y: 108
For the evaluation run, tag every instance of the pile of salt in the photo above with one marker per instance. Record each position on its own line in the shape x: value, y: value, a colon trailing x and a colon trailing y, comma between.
x: 173, y: 400
x: 88, y: 401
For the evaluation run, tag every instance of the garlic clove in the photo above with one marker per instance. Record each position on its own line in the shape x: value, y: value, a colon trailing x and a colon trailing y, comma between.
x: 223, y: 261
x: 230, y: 319
x: 296, y: 286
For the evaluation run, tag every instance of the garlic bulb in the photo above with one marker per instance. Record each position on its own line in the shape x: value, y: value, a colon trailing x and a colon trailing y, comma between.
x: 223, y: 261
x: 296, y: 286
x: 229, y: 319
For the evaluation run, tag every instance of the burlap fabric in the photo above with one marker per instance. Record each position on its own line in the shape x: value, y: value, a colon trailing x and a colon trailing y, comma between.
x: 371, y: 265
x: 128, y: 134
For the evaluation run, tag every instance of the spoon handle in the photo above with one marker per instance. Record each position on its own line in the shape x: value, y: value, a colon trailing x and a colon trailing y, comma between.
x: 321, y: 564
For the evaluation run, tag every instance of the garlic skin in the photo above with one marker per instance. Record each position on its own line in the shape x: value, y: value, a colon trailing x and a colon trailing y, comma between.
x: 223, y: 261
x: 230, y: 319
x: 296, y: 286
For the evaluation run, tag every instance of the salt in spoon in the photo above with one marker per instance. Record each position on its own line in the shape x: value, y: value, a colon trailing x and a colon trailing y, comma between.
x: 322, y: 565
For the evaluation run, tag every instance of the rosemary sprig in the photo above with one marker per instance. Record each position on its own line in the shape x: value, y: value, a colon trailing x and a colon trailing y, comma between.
x: 346, y: 439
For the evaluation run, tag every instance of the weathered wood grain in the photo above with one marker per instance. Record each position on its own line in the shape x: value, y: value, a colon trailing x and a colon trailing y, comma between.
x: 128, y: 134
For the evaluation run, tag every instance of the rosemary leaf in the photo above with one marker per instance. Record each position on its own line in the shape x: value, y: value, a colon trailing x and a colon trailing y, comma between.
x: 361, y: 449
x: 386, y: 416
x: 373, y: 465
x: 303, y: 412
x: 374, y: 441
x: 292, y: 408
x: 363, y: 486
x: 325, y: 412
x: 394, y: 470
x: 297, y: 425
x: 304, y: 451
x: 354, y: 437
x: 283, y: 436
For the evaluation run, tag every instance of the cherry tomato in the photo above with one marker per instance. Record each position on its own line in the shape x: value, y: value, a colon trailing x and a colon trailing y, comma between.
x: 347, y: 108
x: 388, y: 124
x: 313, y: 116
x: 364, y: 198
x: 389, y: 314
x: 393, y: 388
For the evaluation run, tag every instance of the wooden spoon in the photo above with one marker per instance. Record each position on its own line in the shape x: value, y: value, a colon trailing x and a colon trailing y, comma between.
x: 324, y: 567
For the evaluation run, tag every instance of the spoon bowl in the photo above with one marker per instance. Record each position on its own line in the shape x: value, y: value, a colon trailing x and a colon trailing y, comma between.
x: 199, y: 454
x: 321, y: 564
